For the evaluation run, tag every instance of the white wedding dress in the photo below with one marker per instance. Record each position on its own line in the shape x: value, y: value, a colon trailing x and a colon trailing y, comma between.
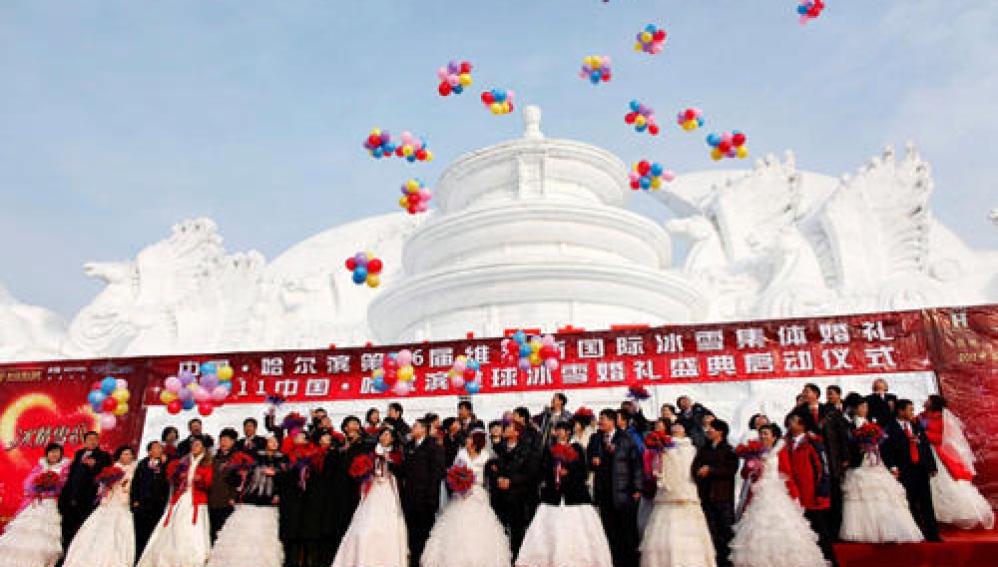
x: 468, y: 532
x: 677, y: 533
x: 874, y: 504
x: 250, y: 536
x: 958, y: 502
x: 773, y: 531
x: 182, y: 538
x: 377, y: 535
x: 107, y: 538
x: 33, y: 538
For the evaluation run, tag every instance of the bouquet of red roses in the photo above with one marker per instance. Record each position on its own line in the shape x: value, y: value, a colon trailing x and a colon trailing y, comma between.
x: 638, y: 392
x: 362, y: 467
x: 176, y: 471
x: 460, y: 478
x: 240, y: 462
x: 750, y: 450
x: 563, y: 453
x: 869, y: 435
x: 110, y: 475
x: 46, y: 485
x: 659, y: 441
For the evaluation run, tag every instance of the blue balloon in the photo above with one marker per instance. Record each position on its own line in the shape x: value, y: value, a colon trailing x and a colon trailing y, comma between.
x: 411, y: 157
x: 108, y: 385
x: 520, y: 337
x: 379, y: 384
x: 713, y: 139
x: 458, y: 89
x: 635, y: 106
x: 359, y: 275
x: 645, y: 182
x: 472, y: 387
x: 188, y: 404
x: 500, y: 96
x: 650, y: 28
x: 227, y: 384
x: 377, y: 152
x: 802, y: 9
x: 699, y: 121
x: 96, y: 398
x: 389, y: 148
x: 208, y: 368
x: 594, y: 77
x: 525, y: 350
x: 656, y: 169
x: 393, y: 355
x: 474, y: 365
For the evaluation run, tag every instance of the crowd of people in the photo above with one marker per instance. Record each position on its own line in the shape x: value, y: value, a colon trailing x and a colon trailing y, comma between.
x: 559, y: 488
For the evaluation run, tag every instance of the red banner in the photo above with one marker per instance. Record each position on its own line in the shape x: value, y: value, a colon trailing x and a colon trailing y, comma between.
x: 965, y: 357
x: 862, y: 344
x: 47, y: 402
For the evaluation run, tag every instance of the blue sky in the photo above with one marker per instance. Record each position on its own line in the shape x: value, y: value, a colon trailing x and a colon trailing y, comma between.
x: 119, y: 118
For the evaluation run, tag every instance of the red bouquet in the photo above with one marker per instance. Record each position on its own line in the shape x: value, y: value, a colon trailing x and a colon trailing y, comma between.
x: 240, y: 462
x: 110, y: 475
x: 869, y: 434
x: 176, y: 471
x: 460, y: 478
x: 563, y: 453
x: 638, y: 392
x: 362, y: 467
x: 46, y: 485
x: 750, y: 450
x: 659, y: 441
x: 584, y: 413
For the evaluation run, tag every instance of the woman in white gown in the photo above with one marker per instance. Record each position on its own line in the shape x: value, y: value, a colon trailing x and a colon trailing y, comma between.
x: 677, y: 534
x: 377, y: 535
x: 773, y: 531
x: 874, y: 504
x: 250, y: 535
x: 451, y: 543
x: 107, y: 538
x: 183, y: 537
x: 954, y: 497
x: 566, y: 530
x: 33, y: 538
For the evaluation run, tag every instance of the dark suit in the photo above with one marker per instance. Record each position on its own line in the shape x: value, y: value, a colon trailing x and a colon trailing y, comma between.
x: 835, y: 431
x: 619, y: 476
x: 896, y: 453
x: 512, y: 505
x: 717, y: 494
x: 149, y: 493
x: 422, y: 470
x: 78, y: 498
x: 570, y: 489
x: 251, y: 445
x: 881, y: 410
x: 692, y: 422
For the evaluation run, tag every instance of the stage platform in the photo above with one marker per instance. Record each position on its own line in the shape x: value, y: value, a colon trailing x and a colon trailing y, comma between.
x: 978, y: 548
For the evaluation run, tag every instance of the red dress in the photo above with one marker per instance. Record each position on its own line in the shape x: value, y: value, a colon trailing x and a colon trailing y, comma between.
x: 933, y: 421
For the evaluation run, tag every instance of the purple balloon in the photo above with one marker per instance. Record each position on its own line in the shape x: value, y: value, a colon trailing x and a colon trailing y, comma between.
x: 185, y: 395
x: 385, y: 137
x: 209, y: 381
x: 360, y: 258
x: 186, y: 377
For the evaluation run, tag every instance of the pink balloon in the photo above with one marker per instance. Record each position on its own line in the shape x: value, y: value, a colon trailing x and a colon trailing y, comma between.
x: 510, y: 95
x: 668, y: 175
x: 425, y: 194
x: 172, y: 384
x: 406, y: 137
x: 442, y: 73
x: 404, y: 357
x: 108, y: 421
x: 202, y: 395
x: 460, y: 365
x: 634, y: 175
x: 421, y: 207
x: 457, y: 382
x: 121, y: 384
x: 551, y: 364
x: 219, y: 393
x: 726, y: 137
x: 524, y: 364
x: 453, y: 80
x: 547, y: 340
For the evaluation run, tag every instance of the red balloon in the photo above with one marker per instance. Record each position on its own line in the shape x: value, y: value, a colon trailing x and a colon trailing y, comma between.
x: 174, y: 407
x: 606, y: 77
x: 469, y: 375
x: 738, y: 139
x: 374, y: 265
x: 204, y: 408
x: 653, y: 129
x: 399, y: 152
x: 690, y: 114
x: 644, y: 167
x: 635, y: 185
x: 487, y: 97
x: 351, y: 264
x: 510, y: 105
x: 465, y: 67
x: 421, y: 155
x: 724, y: 146
x: 109, y: 404
x: 444, y: 88
x: 659, y: 35
x: 374, y: 140
x: 631, y: 117
x: 390, y: 364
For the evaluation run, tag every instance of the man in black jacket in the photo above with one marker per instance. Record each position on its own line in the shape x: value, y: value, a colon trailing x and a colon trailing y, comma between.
x: 78, y: 498
x: 614, y: 457
x: 880, y: 404
x: 692, y: 416
x: 512, y: 478
x: 194, y: 426
x: 396, y: 420
x: 714, y: 471
x: 422, y: 470
x: 907, y: 454
x: 149, y: 493
x: 835, y: 432
x: 252, y: 442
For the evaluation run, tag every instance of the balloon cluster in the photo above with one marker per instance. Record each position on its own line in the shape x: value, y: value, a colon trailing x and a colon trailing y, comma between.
x: 499, y: 101
x: 728, y: 144
x: 396, y: 374
x: 185, y: 390
x: 415, y: 197
x: 651, y: 40
x: 649, y: 175
x: 366, y: 267
x: 690, y: 119
x: 596, y: 68
x: 109, y: 399
x: 454, y: 77
x: 379, y: 144
x: 642, y: 117
x: 466, y: 374
x: 810, y: 9
x: 531, y: 351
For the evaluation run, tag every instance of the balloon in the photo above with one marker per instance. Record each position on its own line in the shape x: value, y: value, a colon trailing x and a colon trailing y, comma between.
x: 551, y: 364
x: 121, y: 410
x: 643, y: 118
x: 108, y: 421
x: 186, y: 377
x: 524, y: 363
x: 96, y: 397
x: 649, y: 175
x: 378, y: 144
x: 650, y: 40
x: 202, y: 395
x: 208, y: 368
x: 454, y: 77
x: 366, y: 269
x: 404, y: 357
x: 225, y: 372
x: 109, y: 404
x: 457, y: 382
x: 121, y: 384
x: 121, y: 395
x: 174, y: 407
x: 595, y: 68
x: 405, y: 373
x: 205, y: 408
x: 469, y: 374
x: 499, y: 101
x: 167, y: 396
x: 189, y: 404
x: 108, y: 385
x: 186, y: 395
x: 690, y: 119
x: 727, y: 144
x: 416, y: 199
x: 473, y: 387
x: 809, y: 10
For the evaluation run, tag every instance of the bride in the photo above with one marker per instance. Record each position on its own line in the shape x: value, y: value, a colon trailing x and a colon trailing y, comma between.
x: 874, y: 504
x: 677, y: 534
x: 773, y: 530
x: 955, y: 498
x: 377, y: 535
x: 451, y: 543
x: 107, y: 538
x: 33, y: 537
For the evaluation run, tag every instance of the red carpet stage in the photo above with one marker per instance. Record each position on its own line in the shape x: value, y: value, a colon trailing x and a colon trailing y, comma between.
x: 959, y: 549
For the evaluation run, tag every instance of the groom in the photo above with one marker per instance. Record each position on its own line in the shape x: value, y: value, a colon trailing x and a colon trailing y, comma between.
x: 907, y: 454
x: 613, y: 456
x: 423, y: 470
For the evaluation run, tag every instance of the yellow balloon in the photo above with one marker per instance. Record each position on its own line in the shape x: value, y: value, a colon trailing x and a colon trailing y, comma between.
x: 121, y: 409
x: 167, y: 396
x: 465, y: 79
x: 535, y: 358
x: 640, y: 120
x: 373, y: 280
x: 656, y: 182
x: 121, y: 395
x: 496, y: 108
x: 407, y: 151
x: 742, y: 152
x: 225, y: 372
x: 412, y: 185
x: 429, y: 155
x: 370, y: 255
x: 404, y: 202
x: 376, y: 132
x: 192, y: 386
x: 405, y: 373
x: 535, y: 346
x: 646, y: 37
x: 715, y: 154
x: 637, y: 46
x: 596, y: 63
x: 588, y: 61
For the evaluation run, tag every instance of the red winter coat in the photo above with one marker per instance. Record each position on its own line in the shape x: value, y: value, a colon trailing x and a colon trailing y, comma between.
x: 804, y: 468
x: 933, y: 421
x: 199, y: 487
